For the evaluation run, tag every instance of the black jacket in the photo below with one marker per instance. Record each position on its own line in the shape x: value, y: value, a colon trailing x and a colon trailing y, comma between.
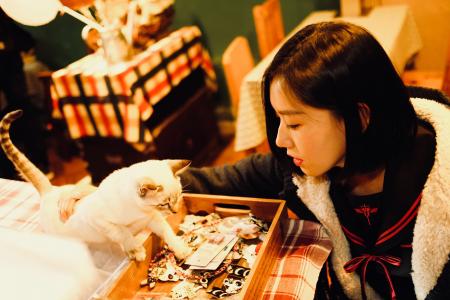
x: 262, y: 176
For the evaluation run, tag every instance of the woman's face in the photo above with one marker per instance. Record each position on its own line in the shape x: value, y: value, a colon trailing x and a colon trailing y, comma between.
x: 314, y: 138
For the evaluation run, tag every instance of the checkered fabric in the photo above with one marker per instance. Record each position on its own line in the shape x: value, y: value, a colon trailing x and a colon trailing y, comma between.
x: 113, y: 101
x: 304, y: 251
x: 19, y: 205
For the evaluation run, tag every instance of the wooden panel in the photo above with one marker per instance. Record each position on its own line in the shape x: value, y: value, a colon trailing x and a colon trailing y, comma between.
x: 350, y: 8
x: 262, y: 208
x: 268, y: 25
x: 128, y: 283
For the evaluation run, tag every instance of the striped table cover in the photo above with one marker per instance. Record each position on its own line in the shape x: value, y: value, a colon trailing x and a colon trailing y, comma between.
x: 304, y: 251
x: 113, y: 101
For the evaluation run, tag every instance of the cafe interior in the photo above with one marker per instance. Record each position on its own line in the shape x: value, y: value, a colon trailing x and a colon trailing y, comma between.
x: 108, y: 84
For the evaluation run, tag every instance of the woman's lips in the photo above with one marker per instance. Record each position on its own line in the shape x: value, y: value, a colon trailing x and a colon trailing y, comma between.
x: 297, y: 161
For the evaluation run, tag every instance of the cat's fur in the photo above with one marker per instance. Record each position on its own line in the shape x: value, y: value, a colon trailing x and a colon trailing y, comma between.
x: 125, y: 203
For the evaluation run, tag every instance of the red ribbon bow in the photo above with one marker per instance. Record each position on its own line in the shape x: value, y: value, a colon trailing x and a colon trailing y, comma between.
x: 363, y: 260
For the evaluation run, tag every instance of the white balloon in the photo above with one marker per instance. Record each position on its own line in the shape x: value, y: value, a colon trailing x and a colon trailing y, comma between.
x: 31, y: 12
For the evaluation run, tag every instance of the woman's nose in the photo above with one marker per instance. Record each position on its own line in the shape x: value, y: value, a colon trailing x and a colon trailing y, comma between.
x: 283, y: 139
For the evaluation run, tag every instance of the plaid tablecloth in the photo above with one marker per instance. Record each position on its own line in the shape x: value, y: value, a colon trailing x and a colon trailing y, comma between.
x: 113, y: 101
x: 304, y: 251
x: 19, y: 206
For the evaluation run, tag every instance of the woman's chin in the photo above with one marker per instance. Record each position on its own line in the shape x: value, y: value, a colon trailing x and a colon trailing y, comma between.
x: 311, y: 173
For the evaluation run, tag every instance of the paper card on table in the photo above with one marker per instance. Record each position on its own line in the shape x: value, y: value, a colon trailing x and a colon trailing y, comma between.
x: 207, y: 251
x: 218, y: 259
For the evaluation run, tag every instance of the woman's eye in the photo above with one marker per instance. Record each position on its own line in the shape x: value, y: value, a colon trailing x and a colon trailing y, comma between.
x: 293, y: 126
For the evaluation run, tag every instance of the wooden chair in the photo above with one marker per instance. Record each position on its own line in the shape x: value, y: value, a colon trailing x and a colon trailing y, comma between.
x: 237, y: 61
x: 268, y: 25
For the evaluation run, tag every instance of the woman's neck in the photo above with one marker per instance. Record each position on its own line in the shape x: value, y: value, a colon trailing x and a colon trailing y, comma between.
x: 367, y: 184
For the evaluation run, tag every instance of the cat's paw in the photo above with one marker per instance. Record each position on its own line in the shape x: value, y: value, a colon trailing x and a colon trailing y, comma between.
x: 138, y: 253
x: 180, y: 249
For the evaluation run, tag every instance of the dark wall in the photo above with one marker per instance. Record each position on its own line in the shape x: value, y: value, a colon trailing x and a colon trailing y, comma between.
x: 59, y: 43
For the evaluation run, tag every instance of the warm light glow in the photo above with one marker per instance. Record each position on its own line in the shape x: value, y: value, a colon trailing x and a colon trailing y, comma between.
x: 31, y: 12
x: 34, y: 13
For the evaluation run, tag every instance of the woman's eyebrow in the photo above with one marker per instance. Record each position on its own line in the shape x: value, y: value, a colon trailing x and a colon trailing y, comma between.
x: 290, y: 112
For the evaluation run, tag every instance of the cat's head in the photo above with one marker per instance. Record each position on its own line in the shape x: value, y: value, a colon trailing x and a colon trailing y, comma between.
x: 157, y: 184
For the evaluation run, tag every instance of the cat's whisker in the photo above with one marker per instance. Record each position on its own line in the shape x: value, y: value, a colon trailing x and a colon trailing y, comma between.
x: 184, y: 188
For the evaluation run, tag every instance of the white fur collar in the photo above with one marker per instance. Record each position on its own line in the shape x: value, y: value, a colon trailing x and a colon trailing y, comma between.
x: 433, y: 220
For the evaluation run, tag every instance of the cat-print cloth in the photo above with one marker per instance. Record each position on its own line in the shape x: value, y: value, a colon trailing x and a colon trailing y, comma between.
x: 305, y: 248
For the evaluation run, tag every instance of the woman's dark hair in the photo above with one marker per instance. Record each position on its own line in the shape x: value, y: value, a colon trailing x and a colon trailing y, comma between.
x: 335, y: 66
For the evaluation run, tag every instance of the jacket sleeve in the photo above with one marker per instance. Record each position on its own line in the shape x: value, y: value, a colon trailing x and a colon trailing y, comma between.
x: 255, y: 176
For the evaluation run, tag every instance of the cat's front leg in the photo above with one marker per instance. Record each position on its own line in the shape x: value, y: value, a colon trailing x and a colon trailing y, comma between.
x: 159, y: 225
x: 136, y: 252
x: 178, y: 246
x: 121, y: 235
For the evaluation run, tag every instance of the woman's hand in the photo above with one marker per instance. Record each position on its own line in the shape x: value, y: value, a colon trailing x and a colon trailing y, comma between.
x: 66, y: 203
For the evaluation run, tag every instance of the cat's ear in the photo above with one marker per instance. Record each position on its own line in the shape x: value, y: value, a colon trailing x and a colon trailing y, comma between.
x: 178, y: 165
x: 146, y: 185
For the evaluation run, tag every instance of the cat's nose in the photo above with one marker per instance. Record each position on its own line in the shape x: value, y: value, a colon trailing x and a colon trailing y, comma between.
x: 172, y: 208
x: 173, y: 204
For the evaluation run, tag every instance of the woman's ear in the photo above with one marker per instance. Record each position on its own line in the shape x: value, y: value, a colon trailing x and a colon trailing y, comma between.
x: 364, y: 115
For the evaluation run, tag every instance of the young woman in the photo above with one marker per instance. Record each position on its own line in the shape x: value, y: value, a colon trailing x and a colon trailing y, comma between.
x: 352, y: 151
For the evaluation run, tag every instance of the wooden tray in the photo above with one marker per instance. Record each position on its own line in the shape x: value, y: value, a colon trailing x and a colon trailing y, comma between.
x: 274, y: 211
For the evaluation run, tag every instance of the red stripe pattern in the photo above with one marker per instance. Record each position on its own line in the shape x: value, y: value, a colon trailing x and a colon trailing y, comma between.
x: 361, y: 262
x: 353, y: 237
x: 402, y: 223
x: 305, y: 249
x: 391, y: 231
x: 179, y: 51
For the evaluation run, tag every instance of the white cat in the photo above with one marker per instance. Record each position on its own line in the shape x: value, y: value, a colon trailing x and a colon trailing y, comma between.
x: 125, y: 203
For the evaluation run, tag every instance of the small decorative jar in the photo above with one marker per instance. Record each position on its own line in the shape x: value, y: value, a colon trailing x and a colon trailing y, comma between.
x: 115, y: 47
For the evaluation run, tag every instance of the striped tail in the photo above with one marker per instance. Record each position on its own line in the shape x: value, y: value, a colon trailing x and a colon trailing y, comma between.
x: 25, y: 167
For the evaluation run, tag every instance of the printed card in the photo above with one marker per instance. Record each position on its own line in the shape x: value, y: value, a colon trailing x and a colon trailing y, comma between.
x: 208, y: 250
x: 218, y: 259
